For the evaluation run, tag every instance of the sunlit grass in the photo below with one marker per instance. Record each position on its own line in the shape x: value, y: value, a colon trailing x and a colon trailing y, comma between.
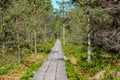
x: 11, y: 69
x: 101, y: 61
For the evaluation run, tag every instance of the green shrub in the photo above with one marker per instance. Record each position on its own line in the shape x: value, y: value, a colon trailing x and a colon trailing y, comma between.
x: 109, y: 75
x: 5, y: 69
x: 100, y: 61
x: 28, y: 74
x: 32, y: 68
x: 72, y: 75
x: 44, y: 48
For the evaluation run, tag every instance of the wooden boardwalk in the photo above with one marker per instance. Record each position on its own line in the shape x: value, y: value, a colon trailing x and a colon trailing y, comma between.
x: 53, y: 68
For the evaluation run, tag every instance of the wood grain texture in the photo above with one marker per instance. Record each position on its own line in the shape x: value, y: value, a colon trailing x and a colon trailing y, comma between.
x: 53, y: 68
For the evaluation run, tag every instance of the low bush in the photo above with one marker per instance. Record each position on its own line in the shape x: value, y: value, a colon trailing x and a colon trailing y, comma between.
x: 5, y: 69
x: 100, y: 61
x: 72, y: 75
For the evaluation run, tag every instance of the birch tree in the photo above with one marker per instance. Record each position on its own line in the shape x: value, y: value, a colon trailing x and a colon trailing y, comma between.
x: 88, y: 31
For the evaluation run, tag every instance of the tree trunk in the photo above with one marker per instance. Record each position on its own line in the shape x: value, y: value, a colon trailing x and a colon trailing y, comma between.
x: 88, y: 35
x: 45, y: 36
x: 64, y: 34
x: 89, y: 47
x: 18, y: 46
x: 3, y: 44
x: 3, y: 41
x: 35, y: 33
x: 35, y: 42
x: 3, y: 48
x: 18, y: 43
x: 30, y: 42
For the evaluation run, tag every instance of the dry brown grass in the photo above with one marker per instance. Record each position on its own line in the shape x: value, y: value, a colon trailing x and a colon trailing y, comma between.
x: 73, y: 60
x: 12, y: 75
x: 20, y: 70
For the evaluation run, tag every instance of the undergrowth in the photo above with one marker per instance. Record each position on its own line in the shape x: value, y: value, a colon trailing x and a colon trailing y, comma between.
x: 100, y: 61
x: 30, y: 61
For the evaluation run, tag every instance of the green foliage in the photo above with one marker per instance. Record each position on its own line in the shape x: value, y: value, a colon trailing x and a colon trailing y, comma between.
x: 100, y: 61
x: 19, y: 15
x: 75, y: 27
x: 93, y: 1
x: 6, y: 68
x: 110, y: 75
x: 4, y: 71
x: 27, y: 75
x: 72, y: 75
x: 43, y: 49
x: 46, y: 46
x: 99, y: 15
x: 6, y: 63
x: 30, y: 71
x: 79, y: 51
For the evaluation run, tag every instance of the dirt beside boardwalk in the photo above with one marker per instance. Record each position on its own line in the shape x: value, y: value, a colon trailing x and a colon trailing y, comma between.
x: 12, y: 76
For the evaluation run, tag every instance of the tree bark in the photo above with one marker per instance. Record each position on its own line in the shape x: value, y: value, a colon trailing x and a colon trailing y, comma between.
x: 45, y: 36
x: 88, y: 35
x: 35, y: 41
x: 89, y: 47
x: 18, y: 43
x: 3, y: 48
x: 35, y: 32
x: 18, y: 46
x: 3, y: 43
x: 64, y: 41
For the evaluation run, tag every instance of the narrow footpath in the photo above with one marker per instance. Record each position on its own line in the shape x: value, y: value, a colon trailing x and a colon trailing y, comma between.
x: 53, y: 68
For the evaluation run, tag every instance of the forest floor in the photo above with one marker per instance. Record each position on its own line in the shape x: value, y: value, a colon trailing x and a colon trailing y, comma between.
x: 104, y: 65
x: 10, y: 69
x: 19, y: 70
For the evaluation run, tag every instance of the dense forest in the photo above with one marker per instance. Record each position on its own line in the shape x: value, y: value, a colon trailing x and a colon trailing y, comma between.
x: 89, y: 31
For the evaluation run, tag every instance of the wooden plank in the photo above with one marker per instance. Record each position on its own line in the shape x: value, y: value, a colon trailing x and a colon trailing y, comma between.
x: 39, y: 75
x: 50, y: 74
x: 53, y: 68
x: 50, y: 56
x: 61, y: 73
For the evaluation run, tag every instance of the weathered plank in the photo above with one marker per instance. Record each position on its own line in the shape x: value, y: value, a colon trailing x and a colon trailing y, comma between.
x: 39, y: 75
x: 61, y: 73
x: 50, y: 74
